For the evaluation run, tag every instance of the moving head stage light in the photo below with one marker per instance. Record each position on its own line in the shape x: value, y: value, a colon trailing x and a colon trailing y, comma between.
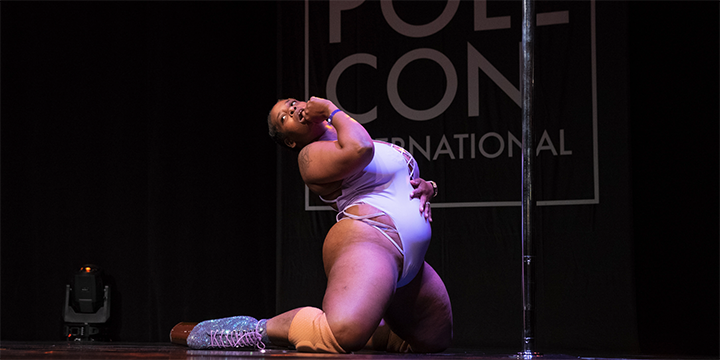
x: 87, y: 306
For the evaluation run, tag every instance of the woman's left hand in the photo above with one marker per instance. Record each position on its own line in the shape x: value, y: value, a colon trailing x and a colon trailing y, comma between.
x: 425, y: 192
x: 318, y: 109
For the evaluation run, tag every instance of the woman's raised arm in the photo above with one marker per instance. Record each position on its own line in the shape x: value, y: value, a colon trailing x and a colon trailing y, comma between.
x: 324, y: 162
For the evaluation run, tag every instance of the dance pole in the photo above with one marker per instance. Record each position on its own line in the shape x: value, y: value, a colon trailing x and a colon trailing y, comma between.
x: 528, y: 205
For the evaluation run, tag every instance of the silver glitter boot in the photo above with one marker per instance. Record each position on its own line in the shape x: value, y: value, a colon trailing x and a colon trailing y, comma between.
x: 235, y: 332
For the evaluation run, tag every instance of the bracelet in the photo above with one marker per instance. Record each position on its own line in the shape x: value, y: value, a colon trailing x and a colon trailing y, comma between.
x: 435, y: 188
x: 332, y: 114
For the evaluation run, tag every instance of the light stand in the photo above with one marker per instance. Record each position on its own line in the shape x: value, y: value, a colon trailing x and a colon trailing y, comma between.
x: 87, y: 306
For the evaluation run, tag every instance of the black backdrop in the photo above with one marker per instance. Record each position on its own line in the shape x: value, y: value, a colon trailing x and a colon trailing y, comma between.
x: 133, y: 137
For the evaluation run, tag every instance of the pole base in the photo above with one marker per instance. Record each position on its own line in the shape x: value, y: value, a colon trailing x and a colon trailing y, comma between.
x: 528, y: 355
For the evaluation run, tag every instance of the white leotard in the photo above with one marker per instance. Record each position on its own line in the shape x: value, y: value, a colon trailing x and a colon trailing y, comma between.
x: 385, y: 185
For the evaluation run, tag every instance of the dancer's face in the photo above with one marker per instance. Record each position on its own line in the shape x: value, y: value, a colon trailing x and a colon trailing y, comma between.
x: 287, y: 117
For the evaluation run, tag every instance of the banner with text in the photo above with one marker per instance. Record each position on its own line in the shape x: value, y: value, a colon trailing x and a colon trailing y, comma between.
x: 441, y: 78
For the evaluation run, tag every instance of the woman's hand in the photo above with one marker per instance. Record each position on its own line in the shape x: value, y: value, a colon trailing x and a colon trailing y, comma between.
x: 423, y: 191
x: 318, y: 109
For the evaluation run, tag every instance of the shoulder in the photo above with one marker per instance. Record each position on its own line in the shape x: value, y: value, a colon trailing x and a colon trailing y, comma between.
x: 311, y: 151
x: 326, y: 161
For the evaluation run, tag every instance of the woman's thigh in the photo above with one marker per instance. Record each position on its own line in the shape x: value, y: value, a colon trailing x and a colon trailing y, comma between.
x: 362, y: 267
x: 421, y: 314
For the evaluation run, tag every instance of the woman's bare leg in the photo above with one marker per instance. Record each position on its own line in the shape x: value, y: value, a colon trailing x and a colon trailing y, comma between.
x: 421, y: 314
x: 362, y: 267
x: 277, y: 328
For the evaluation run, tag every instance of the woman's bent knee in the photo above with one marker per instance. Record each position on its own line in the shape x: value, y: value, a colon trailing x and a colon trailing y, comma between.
x: 350, y: 336
x: 310, y: 332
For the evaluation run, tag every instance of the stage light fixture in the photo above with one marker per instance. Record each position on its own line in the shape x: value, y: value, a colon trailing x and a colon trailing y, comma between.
x: 87, y: 306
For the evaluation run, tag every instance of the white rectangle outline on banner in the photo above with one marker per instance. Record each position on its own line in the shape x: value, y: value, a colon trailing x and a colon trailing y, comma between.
x: 437, y: 205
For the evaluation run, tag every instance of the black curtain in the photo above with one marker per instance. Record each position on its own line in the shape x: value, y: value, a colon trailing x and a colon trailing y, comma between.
x: 674, y: 134
x: 134, y: 137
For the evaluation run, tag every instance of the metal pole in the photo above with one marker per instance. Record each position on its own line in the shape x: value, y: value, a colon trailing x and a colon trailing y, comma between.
x: 528, y: 204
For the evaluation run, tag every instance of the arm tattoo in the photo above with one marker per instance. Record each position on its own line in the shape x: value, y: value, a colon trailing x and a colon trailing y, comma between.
x: 304, y: 159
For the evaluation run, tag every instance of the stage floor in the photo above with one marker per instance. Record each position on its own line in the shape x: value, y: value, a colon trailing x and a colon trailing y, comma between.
x: 110, y: 350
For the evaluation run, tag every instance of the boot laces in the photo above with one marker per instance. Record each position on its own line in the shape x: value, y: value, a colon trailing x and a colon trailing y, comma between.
x: 236, y: 339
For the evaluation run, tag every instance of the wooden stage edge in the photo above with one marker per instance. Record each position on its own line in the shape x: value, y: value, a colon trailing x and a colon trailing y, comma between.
x: 111, y: 350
